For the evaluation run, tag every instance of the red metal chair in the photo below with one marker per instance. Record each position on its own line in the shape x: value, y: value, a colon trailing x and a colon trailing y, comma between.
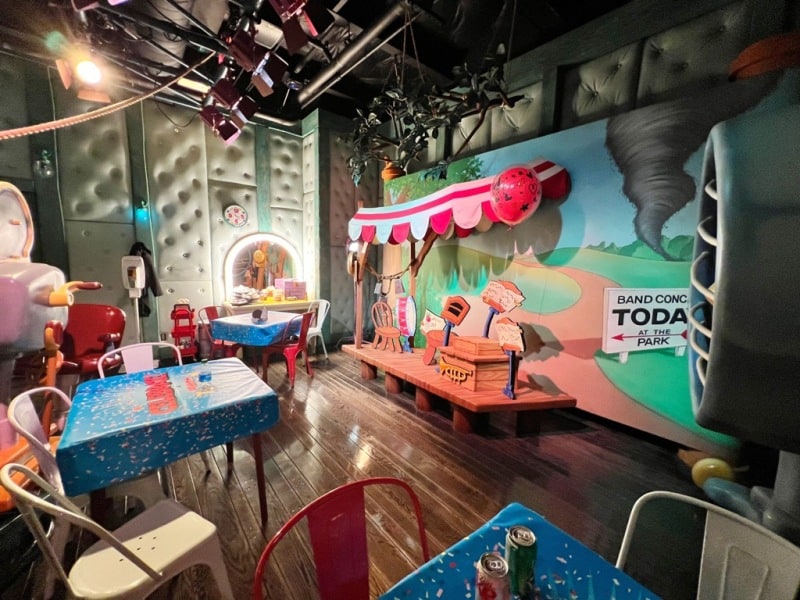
x: 92, y: 330
x: 219, y: 348
x: 337, y: 526
x: 292, y: 344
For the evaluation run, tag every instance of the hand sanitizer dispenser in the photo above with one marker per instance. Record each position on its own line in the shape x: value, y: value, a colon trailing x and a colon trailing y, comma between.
x: 133, y: 275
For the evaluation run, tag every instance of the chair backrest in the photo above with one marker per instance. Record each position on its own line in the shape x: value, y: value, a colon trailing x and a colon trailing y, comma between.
x: 61, y: 509
x: 24, y: 419
x: 337, y: 526
x: 90, y: 329
x: 740, y: 560
x: 382, y: 314
x: 208, y: 313
x: 138, y: 357
x: 320, y: 308
x: 296, y: 332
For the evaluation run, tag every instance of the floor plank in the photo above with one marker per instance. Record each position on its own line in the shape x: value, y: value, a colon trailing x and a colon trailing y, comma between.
x: 581, y: 473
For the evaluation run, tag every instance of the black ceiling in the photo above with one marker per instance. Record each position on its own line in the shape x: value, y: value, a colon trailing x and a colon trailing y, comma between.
x: 360, y: 44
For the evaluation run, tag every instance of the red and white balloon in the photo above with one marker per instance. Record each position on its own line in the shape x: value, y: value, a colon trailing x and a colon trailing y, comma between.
x: 516, y: 194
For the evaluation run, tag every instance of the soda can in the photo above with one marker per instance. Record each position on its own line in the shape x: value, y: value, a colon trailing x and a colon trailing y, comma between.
x: 491, y: 579
x: 521, y: 559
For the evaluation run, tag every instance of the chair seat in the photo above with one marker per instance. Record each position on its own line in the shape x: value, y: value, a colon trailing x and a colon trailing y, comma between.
x: 171, y: 530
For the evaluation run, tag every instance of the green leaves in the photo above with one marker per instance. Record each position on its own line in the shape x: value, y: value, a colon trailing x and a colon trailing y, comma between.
x: 397, y: 125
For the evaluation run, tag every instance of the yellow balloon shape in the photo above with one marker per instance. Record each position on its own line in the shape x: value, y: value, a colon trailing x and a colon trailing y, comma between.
x: 711, y: 467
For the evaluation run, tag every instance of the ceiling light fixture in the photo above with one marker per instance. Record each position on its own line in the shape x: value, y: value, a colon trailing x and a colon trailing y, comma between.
x: 85, y: 77
x: 222, y: 127
x: 268, y: 73
x: 242, y: 107
x: 318, y: 19
x: 245, y: 50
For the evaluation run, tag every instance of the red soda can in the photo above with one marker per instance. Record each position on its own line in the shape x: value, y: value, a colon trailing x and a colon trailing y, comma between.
x: 491, y: 578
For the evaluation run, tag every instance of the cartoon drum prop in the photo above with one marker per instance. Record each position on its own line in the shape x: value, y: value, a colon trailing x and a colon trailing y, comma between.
x: 406, y: 312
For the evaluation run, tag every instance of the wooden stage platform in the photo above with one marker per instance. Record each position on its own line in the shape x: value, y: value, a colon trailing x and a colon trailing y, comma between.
x: 470, y: 409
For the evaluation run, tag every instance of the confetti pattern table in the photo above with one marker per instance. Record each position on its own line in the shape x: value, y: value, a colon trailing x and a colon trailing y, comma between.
x: 123, y: 426
x: 565, y: 568
x: 242, y: 330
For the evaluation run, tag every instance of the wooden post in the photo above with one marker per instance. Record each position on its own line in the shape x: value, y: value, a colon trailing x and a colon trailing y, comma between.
x: 359, y: 300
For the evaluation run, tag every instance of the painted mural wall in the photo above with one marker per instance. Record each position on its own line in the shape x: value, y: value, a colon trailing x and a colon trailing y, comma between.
x: 605, y: 269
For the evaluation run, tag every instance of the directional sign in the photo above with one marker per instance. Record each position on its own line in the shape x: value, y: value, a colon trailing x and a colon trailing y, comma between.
x: 644, y: 319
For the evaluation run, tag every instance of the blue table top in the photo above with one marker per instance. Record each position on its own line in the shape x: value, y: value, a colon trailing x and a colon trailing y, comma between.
x: 241, y: 329
x: 565, y: 568
x: 123, y: 426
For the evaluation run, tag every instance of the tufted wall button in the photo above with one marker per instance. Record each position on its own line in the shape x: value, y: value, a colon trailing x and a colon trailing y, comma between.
x: 684, y: 66
x: 169, y: 268
x: 185, y: 255
x: 595, y: 93
x: 722, y: 28
x: 618, y: 66
x: 200, y: 243
x: 199, y: 269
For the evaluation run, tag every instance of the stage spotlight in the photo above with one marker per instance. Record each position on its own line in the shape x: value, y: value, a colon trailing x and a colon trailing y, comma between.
x: 88, y: 72
x: 222, y: 127
x: 318, y: 20
x: 243, y: 111
x: 246, y: 52
x: 85, y: 79
x: 225, y: 92
x: 242, y: 107
x: 268, y: 73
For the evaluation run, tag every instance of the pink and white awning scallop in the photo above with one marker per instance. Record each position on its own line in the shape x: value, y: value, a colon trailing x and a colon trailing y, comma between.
x: 463, y: 206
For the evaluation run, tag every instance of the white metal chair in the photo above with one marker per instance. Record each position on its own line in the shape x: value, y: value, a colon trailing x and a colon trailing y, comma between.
x: 320, y: 308
x: 138, y: 357
x: 25, y: 420
x: 741, y: 560
x: 133, y: 560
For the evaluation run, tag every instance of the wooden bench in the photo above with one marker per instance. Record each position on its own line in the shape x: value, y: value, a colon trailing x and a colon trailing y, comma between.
x: 470, y: 409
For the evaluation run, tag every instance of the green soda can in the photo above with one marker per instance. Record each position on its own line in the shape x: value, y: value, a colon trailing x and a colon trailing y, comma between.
x: 521, y: 559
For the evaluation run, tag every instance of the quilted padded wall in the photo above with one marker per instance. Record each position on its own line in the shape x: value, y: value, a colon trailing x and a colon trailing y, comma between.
x: 95, y: 250
x: 231, y: 180
x: 310, y: 239
x: 522, y: 121
x: 693, y: 55
x: 15, y: 154
x: 179, y: 206
x: 222, y: 195
x: 344, y: 198
x: 600, y: 88
x: 94, y: 171
x: 286, y: 187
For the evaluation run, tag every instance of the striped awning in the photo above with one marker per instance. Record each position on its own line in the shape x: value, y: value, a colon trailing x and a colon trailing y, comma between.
x: 458, y: 209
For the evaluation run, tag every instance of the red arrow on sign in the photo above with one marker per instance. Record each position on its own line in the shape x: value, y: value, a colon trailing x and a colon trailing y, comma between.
x: 620, y: 336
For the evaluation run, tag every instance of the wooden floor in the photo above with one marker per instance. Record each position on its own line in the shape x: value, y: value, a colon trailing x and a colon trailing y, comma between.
x: 580, y: 473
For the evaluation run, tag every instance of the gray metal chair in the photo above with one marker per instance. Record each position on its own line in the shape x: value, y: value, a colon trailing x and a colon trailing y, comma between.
x: 740, y: 560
